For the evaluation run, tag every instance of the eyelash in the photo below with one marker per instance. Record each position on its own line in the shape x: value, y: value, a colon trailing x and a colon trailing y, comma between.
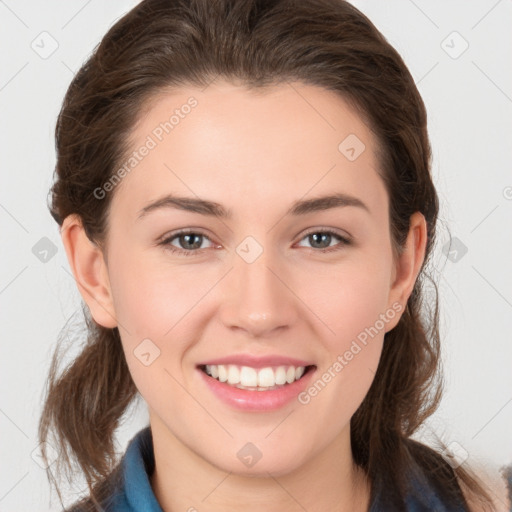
x: 166, y: 241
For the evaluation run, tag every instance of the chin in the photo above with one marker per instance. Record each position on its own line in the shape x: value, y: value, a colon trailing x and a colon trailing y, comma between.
x: 250, y: 461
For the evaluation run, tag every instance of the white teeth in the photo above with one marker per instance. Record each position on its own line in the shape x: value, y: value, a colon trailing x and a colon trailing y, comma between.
x: 223, y: 374
x: 266, y: 378
x: 246, y: 377
x: 233, y: 374
x: 280, y: 375
x: 212, y: 370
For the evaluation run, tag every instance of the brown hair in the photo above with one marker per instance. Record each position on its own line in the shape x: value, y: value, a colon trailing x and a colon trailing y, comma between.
x: 165, y: 44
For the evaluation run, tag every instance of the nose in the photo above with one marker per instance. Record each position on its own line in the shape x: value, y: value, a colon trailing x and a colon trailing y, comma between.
x: 259, y: 299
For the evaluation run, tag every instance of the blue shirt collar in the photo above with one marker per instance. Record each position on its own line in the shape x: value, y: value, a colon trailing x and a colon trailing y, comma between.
x: 138, y: 466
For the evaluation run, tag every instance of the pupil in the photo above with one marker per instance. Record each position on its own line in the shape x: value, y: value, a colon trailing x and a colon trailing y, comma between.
x: 316, y: 236
x: 188, y: 236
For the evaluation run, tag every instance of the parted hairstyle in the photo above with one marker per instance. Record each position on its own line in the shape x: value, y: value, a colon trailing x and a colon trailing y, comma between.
x: 162, y: 45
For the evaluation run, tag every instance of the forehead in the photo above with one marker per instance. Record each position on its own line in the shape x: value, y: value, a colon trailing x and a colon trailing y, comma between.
x: 226, y: 141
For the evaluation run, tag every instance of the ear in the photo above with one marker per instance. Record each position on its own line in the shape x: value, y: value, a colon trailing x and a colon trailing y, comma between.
x: 89, y: 270
x: 408, y: 265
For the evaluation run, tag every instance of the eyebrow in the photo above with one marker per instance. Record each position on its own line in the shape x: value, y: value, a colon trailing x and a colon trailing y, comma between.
x: 211, y: 208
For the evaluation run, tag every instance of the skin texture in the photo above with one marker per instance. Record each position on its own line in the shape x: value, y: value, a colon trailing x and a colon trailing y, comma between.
x: 255, y: 153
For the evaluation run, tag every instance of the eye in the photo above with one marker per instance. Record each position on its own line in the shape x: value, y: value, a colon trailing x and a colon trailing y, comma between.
x: 321, y: 239
x: 190, y: 242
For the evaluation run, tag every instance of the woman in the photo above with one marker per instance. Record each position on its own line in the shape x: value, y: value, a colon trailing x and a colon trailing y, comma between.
x: 245, y: 200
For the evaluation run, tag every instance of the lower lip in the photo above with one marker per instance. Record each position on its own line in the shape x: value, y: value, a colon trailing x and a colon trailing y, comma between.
x: 257, y: 400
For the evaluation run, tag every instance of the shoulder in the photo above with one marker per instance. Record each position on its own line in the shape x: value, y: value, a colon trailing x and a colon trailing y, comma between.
x: 498, y: 483
x: 109, y: 492
x: 114, y: 503
x: 441, y: 484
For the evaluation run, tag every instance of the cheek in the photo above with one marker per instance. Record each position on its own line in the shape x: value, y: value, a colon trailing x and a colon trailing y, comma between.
x: 353, y: 310
x: 157, y: 310
x: 152, y: 299
x: 350, y: 299
x: 153, y: 306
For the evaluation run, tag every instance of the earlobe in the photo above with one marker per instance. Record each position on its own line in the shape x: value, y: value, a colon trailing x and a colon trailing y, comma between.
x: 89, y: 270
x: 409, y: 261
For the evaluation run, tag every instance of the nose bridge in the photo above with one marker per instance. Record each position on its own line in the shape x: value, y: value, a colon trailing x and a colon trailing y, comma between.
x: 257, y: 300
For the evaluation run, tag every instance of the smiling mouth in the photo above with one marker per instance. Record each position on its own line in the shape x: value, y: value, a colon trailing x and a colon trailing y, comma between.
x: 256, y: 379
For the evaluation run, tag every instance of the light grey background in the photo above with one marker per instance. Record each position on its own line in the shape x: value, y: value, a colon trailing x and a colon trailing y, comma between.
x: 468, y: 94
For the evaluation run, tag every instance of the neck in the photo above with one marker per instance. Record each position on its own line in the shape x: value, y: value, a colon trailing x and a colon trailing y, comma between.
x: 184, y: 481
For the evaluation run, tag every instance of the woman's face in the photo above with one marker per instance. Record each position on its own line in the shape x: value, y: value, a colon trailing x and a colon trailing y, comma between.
x: 270, y: 276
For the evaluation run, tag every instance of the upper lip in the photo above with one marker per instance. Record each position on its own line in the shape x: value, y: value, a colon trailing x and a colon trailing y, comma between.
x: 256, y: 361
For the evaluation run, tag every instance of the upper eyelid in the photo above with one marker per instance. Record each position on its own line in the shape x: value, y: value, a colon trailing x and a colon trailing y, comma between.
x: 327, y: 230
